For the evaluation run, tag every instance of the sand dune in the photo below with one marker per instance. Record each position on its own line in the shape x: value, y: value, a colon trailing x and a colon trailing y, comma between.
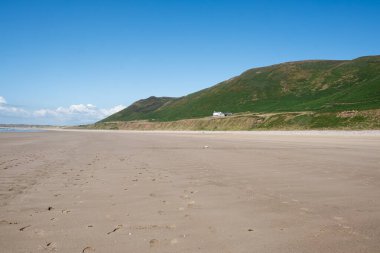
x: 103, y: 191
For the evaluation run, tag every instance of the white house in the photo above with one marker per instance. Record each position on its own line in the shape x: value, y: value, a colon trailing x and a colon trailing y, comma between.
x: 218, y: 114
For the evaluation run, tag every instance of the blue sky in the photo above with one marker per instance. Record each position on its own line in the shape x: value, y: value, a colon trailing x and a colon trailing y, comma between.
x: 71, y: 62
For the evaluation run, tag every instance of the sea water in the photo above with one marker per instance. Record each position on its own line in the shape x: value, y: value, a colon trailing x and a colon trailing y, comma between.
x: 19, y: 130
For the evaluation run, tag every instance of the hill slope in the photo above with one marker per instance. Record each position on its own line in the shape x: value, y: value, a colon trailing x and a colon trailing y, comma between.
x: 317, y: 85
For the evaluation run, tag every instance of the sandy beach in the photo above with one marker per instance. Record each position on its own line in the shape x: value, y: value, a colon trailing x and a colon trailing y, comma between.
x: 104, y: 191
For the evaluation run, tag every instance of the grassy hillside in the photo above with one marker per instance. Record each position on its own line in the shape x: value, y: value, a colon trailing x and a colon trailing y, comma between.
x: 140, y: 108
x: 318, y: 85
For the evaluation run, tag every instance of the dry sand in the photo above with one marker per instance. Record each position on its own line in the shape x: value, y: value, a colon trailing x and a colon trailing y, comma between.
x: 78, y: 191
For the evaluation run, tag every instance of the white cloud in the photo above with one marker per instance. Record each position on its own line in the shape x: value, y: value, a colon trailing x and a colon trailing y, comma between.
x: 10, y: 110
x: 44, y: 112
x: 2, y: 100
x: 79, y: 113
x: 73, y: 114
x: 115, y: 109
x: 79, y: 109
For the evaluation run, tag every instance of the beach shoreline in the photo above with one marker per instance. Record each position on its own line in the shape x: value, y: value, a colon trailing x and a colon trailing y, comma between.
x: 69, y: 190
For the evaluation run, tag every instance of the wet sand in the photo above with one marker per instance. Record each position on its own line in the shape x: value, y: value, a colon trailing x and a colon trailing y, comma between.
x: 94, y: 191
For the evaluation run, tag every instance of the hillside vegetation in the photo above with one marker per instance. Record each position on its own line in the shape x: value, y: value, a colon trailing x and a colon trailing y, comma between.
x: 346, y: 120
x: 320, y: 86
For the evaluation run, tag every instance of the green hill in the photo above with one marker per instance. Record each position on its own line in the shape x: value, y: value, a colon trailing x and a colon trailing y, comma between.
x: 315, y: 85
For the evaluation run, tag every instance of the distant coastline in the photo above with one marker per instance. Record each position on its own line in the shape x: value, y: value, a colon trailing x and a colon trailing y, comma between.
x: 20, y: 130
x: 26, y: 126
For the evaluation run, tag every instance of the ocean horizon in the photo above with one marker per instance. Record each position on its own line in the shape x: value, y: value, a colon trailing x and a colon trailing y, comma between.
x: 19, y: 130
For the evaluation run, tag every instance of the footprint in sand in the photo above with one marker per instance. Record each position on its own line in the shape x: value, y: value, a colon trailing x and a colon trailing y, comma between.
x: 23, y: 228
x: 50, y: 246
x: 115, y: 229
x: 8, y: 222
x: 88, y: 249
x: 191, y: 203
x: 211, y: 229
x: 185, y: 196
x: 154, y: 243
